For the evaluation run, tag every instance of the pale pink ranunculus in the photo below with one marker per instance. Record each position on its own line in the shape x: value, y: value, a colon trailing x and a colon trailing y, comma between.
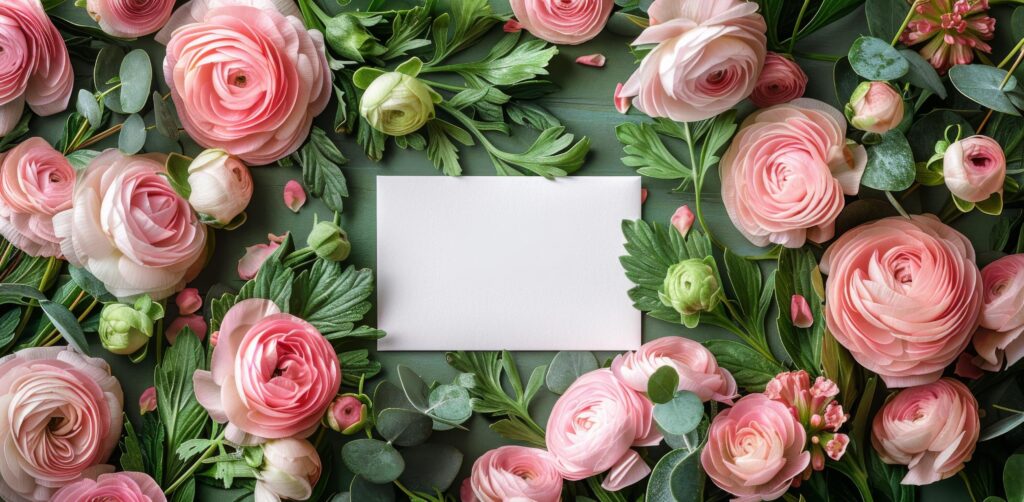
x: 781, y: 81
x: 188, y: 301
x: 130, y: 229
x: 291, y: 468
x: 221, y: 185
x: 786, y: 173
x: 682, y: 219
x: 147, y: 401
x: 36, y: 182
x: 708, y: 57
x: 272, y: 375
x: 932, y: 429
x: 1000, y: 339
x: 593, y: 425
x: 248, y: 80
x: 130, y: 18
x: 514, y: 473
x: 194, y: 322
x: 903, y: 296
x: 249, y: 264
x: 800, y: 314
x: 36, y: 69
x: 60, y: 418
x: 974, y: 168
x: 194, y: 11
x: 698, y: 370
x: 875, y: 107
x: 755, y: 449
x: 126, y: 486
x: 564, y: 22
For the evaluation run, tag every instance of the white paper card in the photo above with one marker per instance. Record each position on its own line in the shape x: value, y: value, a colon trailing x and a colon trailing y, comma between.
x: 518, y: 263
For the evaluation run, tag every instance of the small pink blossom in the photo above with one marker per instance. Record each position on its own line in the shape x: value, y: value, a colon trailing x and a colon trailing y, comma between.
x: 194, y: 322
x: 512, y: 26
x: 951, y: 31
x: 621, y: 102
x: 294, y: 196
x: 595, y: 60
x: 834, y: 416
x: 214, y: 337
x: 147, y: 401
x: 800, y: 312
x: 836, y: 447
x: 188, y: 301
x: 682, y: 219
x: 643, y: 195
x: 346, y: 414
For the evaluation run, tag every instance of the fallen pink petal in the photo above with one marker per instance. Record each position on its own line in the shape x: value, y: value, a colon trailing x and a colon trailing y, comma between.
x: 147, y: 401
x: 194, y: 322
x: 595, y: 60
x: 294, y: 196
x: 621, y: 103
x: 188, y: 301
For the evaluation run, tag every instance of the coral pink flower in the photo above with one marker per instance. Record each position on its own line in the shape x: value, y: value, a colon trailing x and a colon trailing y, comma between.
x: 592, y: 427
x: 565, y: 22
x: 251, y: 92
x: 194, y: 322
x: 951, y: 31
x: 294, y: 196
x: 113, y: 487
x: 697, y: 368
x: 708, y: 57
x: 974, y: 168
x: 682, y: 219
x: 903, y: 296
x: 781, y: 81
x: 513, y: 473
x: 188, y: 301
x: 147, y: 401
x: 130, y: 229
x: 814, y: 407
x: 36, y: 182
x: 272, y: 375
x: 932, y: 429
x: 999, y: 340
x: 36, y: 67
x: 755, y: 449
x: 60, y: 418
x: 250, y: 263
x: 130, y: 18
x: 787, y: 172
x: 800, y: 312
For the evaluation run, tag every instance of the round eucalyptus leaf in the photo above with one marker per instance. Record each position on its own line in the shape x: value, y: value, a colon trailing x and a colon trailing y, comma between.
x: 981, y: 84
x: 364, y: 490
x: 165, y: 116
x: 661, y: 387
x: 676, y: 478
x: 931, y: 127
x: 403, y: 427
x: 136, y: 80
x: 416, y: 391
x: 1013, y: 482
x: 890, y: 164
x: 88, y: 107
x: 430, y: 467
x: 375, y: 460
x: 680, y: 415
x: 922, y: 74
x: 133, y: 135
x: 874, y: 59
x: 467, y: 380
x: 566, y: 367
x: 388, y: 395
x: 106, y: 74
x: 846, y: 80
x: 451, y: 403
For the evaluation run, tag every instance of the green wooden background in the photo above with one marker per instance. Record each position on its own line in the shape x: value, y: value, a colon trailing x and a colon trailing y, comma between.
x: 585, y: 105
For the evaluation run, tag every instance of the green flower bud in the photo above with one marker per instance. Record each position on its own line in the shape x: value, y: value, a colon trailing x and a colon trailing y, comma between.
x: 347, y: 413
x: 397, y: 104
x: 691, y: 287
x: 347, y: 36
x: 124, y: 328
x: 329, y: 241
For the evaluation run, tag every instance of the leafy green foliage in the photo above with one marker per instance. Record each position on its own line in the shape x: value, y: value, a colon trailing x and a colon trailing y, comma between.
x: 566, y: 367
x: 875, y: 59
x: 677, y: 477
x: 984, y: 85
x: 180, y: 413
x: 661, y: 387
x: 491, y: 371
x: 374, y: 460
x: 647, y: 153
x: 781, y: 18
x: 321, y: 163
x: 679, y: 415
x: 751, y: 369
x: 798, y: 275
x: 333, y: 297
x: 890, y: 164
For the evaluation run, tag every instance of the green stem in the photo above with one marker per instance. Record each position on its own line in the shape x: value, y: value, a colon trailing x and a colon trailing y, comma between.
x: 771, y: 255
x: 796, y: 27
x: 442, y: 85
x: 1009, y: 55
x: 698, y: 183
x: 967, y: 484
x: 906, y: 21
x: 896, y: 204
x: 1004, y: 408
x: 195, y: 465
x: 816, y: 56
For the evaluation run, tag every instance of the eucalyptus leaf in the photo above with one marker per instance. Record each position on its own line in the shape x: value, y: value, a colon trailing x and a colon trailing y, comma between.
x: 1013, y: 478
x: 984, y: 85
x: 136, y: 80
x: 105, y: 75
x: 133, y: 135
x: 403, y: 427
x: 430, y: 467
x: 890, y: 164
x: 566, y: 367
x: 846, y: 80
x: 451, y: 403
x: 676, y: 478
x: 363, y: 490
x: 885, y: 17
x: 373, y: 459
x: 875, y: 59
x: 681, y: 415
x: 1001, y: 427
x: 662, y: 385
x: 88, y: 106
x: 922, y: 74
x: 415, y: 389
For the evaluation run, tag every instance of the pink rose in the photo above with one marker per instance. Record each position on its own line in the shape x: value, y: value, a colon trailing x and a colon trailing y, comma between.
x: 113, y: 487
x: 514, y: 473
x: 697, y: 368
x: 60, y: 418
x: 932, y: 429
x: 998, y: 340
x: 755, y: 449
x: 272, y: 375
x: 787, y: 172
x: 903, y: 296
x: 147, y: 401
x: 36, y: 182
x: 974, y: 168
x: 130, y: 229
x: 188, y: 301
x: 130, y: 18
x: 194, y: 322
x: 875, y: 107
x: 248, y: 80
x: 37, y: 69
x: 682, y: 219
x: 781, y: 81
x: 291, y: 468
x: 566, y: 22
x: 592, y: 427
x: 708, y: 57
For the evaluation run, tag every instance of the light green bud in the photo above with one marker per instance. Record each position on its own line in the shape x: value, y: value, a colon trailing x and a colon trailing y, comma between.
x: 691, y: 287
x: 348, y: 37
x: 329, y: 241
x: 397, y: 104
x: 124, y: 329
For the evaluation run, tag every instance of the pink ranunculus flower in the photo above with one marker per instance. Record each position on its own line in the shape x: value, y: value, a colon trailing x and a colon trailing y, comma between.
x: 974, y: 168
x: 682, y: 219
x: 707, y: 58
x: 194, y: 11
x: 36, y: 67
x: 787, y: 172
x: 130, y: 229
x: 514, y: 473
x: 903, y: 296
x: 875, y: 107
x: 755, y: 449
x: 696, y: 365
x: 123, y: 486
x: 36, y: 182
x: 60, y: 418
x: 1000, y: 339
x: 272, y: 375
x: 251, y: 92
x: 781, y: 81
x: 593, y: 425
x: 130, y: 18
x: 565, y: 22
x: 932, y: 429
x: 291, y: 468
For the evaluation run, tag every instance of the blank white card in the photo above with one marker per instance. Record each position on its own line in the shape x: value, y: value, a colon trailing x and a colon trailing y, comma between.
x: 518, y: 263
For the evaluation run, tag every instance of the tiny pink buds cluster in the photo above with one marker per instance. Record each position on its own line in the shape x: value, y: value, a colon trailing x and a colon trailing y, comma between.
x: 814, y: 405
x: 953, y: 30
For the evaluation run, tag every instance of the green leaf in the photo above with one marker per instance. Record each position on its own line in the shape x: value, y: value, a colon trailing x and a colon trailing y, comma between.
x: 166, y: 117
x: 459, y: 25
x: 358, y: 366
x: 373, y: 459
x: 508, y: 62
x: 681, y: 414
x: 133, y: 135
x: 90, y: 284
x: 662, y: 385
x: 415, y: 389
x: 131, y: 449
x: 566, y: 367
x: 676, y: 477
x: 182, y: 416
x: 332, y: 297
x: 89, y: 107
x: 136, y: 80
x: 440, y: 148
x: 321, y: 163
x: 750, y: 369
x: 411, y: 67
x: 450, y: 403
x: 1013, y: 482
x: 745, y: 278
x: 646, y: 152
x: 490, y: 395
x: 1001, y: 427
x: 106, y: 70
x: 363, y: 490
x: 846, y: 80
x: 430, y: 467
x: 922, y: 74
x: 652, y: 248
x: 403, y: 427
x: 875, y: 59
x: 885, y: 17
x: 365, y: 76
x: 177, y: 174
x: 931, y: 127
x: 9, y: 326
x: 981, y: 84
x: 797, y: 274
x: 885, y: 478
x: 890, y: 164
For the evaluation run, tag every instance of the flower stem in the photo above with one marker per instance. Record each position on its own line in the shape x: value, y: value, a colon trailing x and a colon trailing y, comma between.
x: 817, y: 56
x: 896, y: 204
x: 195, y: 465
x: 796, y: 27
x: 698, y: 183
x: 906, y: 21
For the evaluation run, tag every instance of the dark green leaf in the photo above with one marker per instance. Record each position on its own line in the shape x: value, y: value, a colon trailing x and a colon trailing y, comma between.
x: 136, y: 80
x: 983, y: 85
x: 646, y: 152
x: 166, y: 117
x: 890, y: 164
x: 321, y: 163
x: 652, y: 248
x: 750, y: 369
x: 661, y: 387
x: 90, y: 284
x: 131, y: 449
x: 1001, y: 427
x: 363, y: 490
x: 181, y: 414
x: 566, y: 367
x: 931, y: 128
x: 333, y: 297
x: 1013, y: 481
x: 796, y: 276
x: 922, y: 74
x: 430, y: 467
x: 372, y: 459
x: 875, y: 59
x: 885, y: 17
x: 846, y: 80
x: 403, y: 427
x: 677, y: 477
